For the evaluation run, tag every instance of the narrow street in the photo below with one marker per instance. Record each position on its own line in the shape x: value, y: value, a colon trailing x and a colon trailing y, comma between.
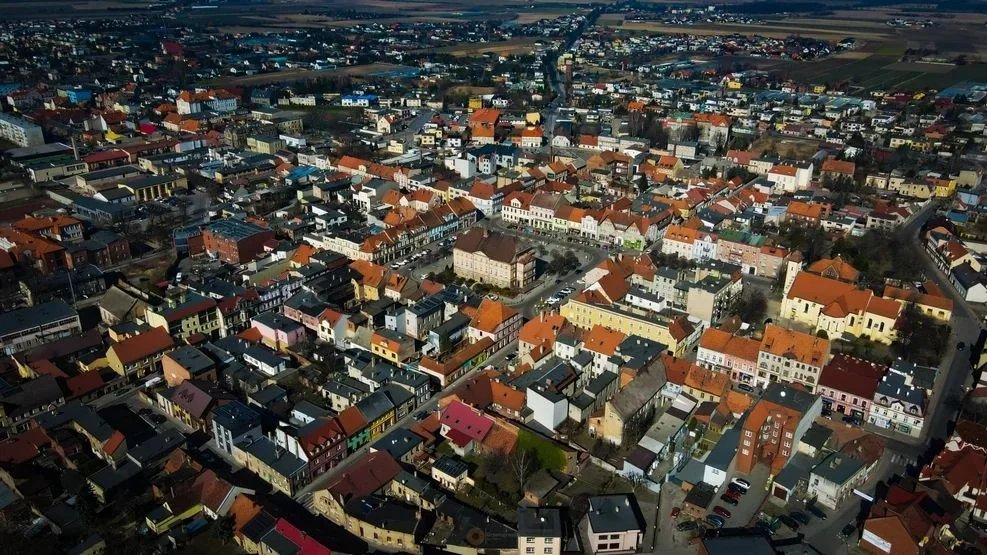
x: 304, y: 495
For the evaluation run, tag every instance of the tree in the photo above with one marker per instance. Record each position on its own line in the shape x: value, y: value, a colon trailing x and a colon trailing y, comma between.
x: 752, y: 306
x: 522, y: 465
x: 224, y: 529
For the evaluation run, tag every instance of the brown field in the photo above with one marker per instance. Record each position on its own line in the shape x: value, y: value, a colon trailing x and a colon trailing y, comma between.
x: 767, y: 30
x: 504, y: 48
x: 470, y: 91
x: 300, y: 74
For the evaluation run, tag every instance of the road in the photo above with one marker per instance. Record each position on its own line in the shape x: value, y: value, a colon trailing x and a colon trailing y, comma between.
x: 304, y: 496
x: 955, y: 370
x: 555, y: 81
x: 414, y: 125
x: 588, y: 255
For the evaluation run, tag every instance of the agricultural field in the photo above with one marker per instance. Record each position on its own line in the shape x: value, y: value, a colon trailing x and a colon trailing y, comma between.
x: 302, y: 74
x: 504, y: 48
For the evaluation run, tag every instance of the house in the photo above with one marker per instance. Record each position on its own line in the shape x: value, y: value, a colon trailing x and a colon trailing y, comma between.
x: 451, y: 473
x: 276, y: 466
x: 185, y: 363
x: 278, y: 331
x: 232, y: 423
x: 614, y: 524
x: 899, y: 404
x: 791, y: 357
x: 775, y: 426
x: 139, y: 355
x: 26, y: 328
x: 193, y: 401
x: 835, y: 477
x: 542, y: 530
x: 235, y: 241
x: 464, y: 427
x: 496, y: 321
x: 370, y: 475
x: 385, y: 523
x: 493, y: 258
x: 847, y: 385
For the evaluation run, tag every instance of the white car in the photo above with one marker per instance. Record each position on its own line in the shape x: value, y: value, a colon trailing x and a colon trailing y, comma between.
x: 552, y: 300
x: 740, y: 482
x: 567, y: 290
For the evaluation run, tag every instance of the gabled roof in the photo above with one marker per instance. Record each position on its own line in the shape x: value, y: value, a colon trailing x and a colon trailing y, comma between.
x: 490, y: 315
x: 369, y: 474
x: 466, y: 420
x: 147, y: 344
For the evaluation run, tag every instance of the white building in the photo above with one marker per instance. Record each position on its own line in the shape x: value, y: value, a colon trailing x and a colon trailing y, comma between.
x: 20, y: 132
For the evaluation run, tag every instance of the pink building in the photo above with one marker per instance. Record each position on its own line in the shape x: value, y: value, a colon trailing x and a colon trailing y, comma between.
x: 277, y: 330
x: 847, y: 385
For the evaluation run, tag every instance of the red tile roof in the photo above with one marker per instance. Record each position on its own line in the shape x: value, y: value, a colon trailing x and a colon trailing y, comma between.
x: 463, y: 418
x: 149, y: 343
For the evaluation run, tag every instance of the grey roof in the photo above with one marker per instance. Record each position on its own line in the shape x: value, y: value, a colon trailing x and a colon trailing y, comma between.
x: 264, y: 355
x: 692, y: 472
x: 398, y: 442
x: 268, y: 395
x: 117, y: 302
x: 397, y: 394
x: 725, y: 450
x: 108, y: 477
x: 384, y: 513
x: 278, y: 459
x: 601, y: 382
x: 156, y: 448
x: 456, y: 522
x: 277, y: 543
x: 426, y: 306
x: 310, y: 409
x: 191, y: 359
x: 787, y: 396
x: 922, y: 376
x: 967, y: 276
x: 541, y: 522
x: 582, y: 400
x: 614, y: 513
x: 817, y: 435
x: 375, y: 405
x: 450, y: 466
x: 631, y: 398
x: 893, y: 386
x: 31, y: 317
x: 277, y: 321
x: 838, y: 468
x: 795, y: 470
x: 24, y: 398
x: 236, y: 417
x: 701, y: 494
x: 421, y: 486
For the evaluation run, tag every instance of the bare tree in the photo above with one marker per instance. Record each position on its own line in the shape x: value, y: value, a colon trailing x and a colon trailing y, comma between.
x: 522, y: 464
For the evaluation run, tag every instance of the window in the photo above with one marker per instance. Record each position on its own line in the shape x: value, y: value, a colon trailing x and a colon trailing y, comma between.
x: 747, y: 443
x: 529, y: 550
x: 530, y: 540
x: 746, y: 452
x: 547, y: 551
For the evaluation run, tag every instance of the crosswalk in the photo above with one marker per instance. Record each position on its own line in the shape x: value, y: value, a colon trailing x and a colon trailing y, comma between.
x: 901, y: 460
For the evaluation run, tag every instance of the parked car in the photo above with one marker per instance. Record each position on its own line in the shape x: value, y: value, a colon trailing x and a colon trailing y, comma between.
x: 676, y: 511
x: 721, y: 511
x: 788, y: 521
x: 734, y: 492
x: 742, y: 483
x: 715, y: 521
x: 687, y: 525
x: 745, y: 388
x: 800, y: 516
x: 729, y: 500
x: 848, y: 530
x: 735, y: 489
x: 816, y: 511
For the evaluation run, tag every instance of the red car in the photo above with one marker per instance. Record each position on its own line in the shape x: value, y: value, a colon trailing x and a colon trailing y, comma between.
x: 721, y: 511
x: 733, y: 493
x: 675, y: 512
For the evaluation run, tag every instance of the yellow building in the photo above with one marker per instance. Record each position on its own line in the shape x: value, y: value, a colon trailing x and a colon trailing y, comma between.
x: 391, y: 345
x: 945, y: 187
x: 587, y: 310
x: 195, y: 315
x: 154, y: 187
x: 384, y: 523
x: 839, y: 308
x: 276, y: 466
x: 139, y: 355
x: 475, y: 103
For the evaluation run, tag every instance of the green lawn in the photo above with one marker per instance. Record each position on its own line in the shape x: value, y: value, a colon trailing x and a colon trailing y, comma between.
x: 549, y: 455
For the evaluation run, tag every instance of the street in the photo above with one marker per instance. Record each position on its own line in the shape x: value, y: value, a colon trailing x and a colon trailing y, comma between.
x: 304, y: 495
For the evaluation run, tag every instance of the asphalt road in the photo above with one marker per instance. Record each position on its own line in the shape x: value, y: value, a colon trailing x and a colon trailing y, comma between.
x: 304, y: 495
x: 407, y: 135
x: 955, y: 372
